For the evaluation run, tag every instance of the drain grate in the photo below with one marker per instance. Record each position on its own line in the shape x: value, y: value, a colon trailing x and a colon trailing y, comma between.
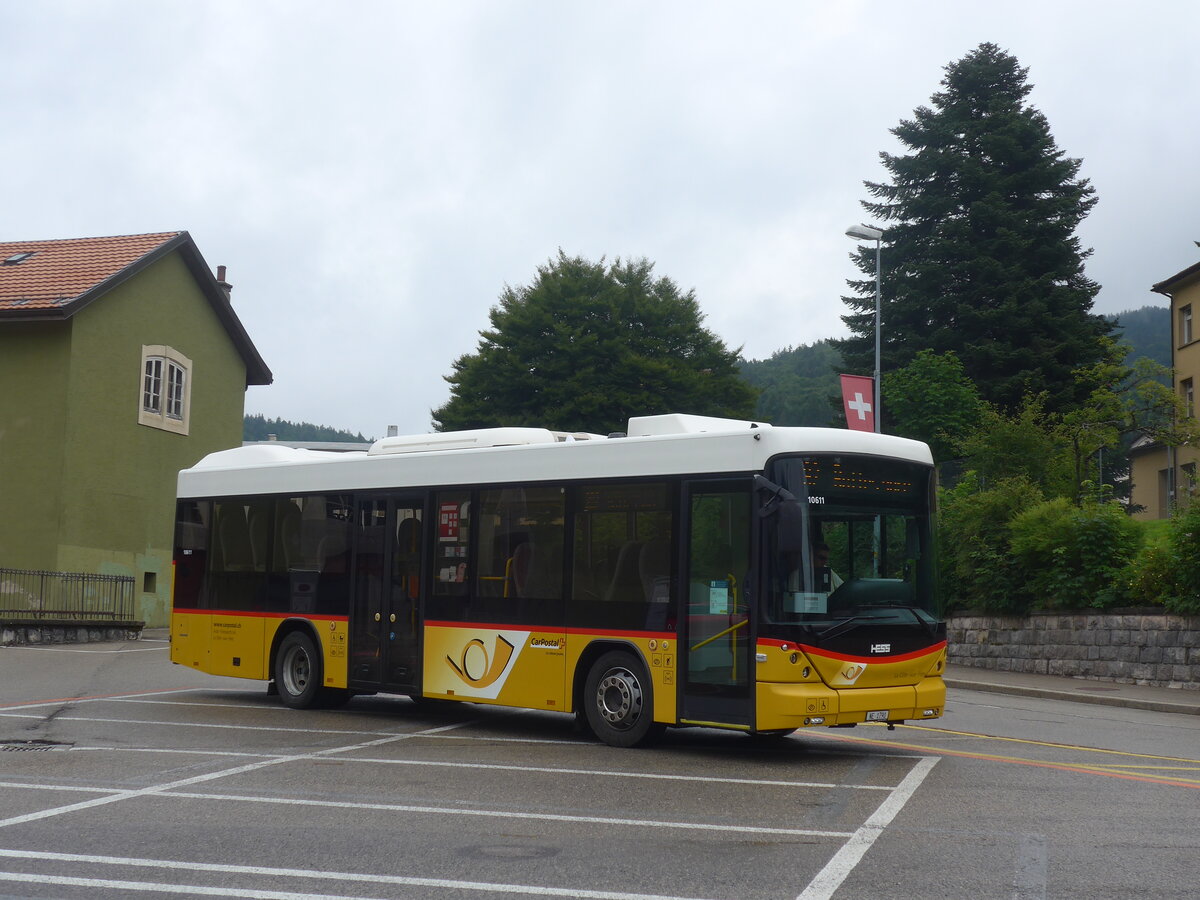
x: 17, y: 746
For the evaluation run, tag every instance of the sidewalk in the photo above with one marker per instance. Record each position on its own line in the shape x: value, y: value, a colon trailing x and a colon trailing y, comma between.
x: 1080, y: 690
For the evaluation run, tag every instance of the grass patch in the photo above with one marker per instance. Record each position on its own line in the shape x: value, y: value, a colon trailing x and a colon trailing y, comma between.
x: 1156, y: 532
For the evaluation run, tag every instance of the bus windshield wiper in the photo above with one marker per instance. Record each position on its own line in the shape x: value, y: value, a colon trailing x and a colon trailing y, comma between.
x: 928, y: 622
x: 849, y: 624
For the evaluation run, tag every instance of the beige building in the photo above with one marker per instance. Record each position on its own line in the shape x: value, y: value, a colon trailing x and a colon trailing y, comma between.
x: 1163, y: 476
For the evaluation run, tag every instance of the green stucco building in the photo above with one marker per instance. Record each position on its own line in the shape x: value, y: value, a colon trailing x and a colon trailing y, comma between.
x: 121, y: 362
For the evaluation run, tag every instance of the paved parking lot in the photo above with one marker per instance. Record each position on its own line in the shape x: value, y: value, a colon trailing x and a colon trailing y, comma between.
x: 159, y: 780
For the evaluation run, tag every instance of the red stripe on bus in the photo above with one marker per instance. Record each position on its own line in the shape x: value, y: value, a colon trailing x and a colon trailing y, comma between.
x: 846, y: 657
x: 261, y: 615
x: 606, y: 632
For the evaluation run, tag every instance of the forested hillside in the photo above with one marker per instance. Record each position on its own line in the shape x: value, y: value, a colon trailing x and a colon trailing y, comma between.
x: 798, y: 382
x: 258, y: 427
x: 1147, y: 331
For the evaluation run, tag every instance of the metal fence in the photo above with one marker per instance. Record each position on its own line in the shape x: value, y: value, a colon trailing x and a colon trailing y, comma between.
x: 44, y: 596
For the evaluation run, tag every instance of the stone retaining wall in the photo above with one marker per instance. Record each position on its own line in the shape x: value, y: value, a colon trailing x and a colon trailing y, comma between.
x: 1129, y: 646
x: 11, y: 634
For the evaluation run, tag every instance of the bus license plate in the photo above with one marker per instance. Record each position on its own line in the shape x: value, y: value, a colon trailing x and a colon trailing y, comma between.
x: 877, y: 715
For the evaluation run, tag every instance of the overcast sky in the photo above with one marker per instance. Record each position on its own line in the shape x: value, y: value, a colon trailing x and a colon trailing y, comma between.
x: 374, y: 173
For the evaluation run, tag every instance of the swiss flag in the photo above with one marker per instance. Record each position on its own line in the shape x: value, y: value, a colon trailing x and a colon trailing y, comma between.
x: 858, y: 400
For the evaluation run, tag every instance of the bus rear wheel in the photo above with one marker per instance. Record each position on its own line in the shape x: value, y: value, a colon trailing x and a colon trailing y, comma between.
x: 298, y: 671
x: 618, y: 700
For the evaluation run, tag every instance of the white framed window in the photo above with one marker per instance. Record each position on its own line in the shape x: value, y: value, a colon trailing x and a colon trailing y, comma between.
x: 166, y: 389
x: 1185, y: 325
x: 152, y: 385
x: 176, y: 388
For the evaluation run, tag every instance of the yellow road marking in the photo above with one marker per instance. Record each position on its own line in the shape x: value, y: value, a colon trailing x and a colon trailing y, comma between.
x: 1107, y: 771
x: 993, y: 737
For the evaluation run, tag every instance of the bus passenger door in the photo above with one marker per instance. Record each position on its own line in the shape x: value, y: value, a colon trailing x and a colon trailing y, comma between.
x: 400, y: 657
x: 387, y: 579
x: 717, y: 644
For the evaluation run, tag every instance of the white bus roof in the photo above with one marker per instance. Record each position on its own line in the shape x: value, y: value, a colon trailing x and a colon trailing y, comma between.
x: 655, y: 446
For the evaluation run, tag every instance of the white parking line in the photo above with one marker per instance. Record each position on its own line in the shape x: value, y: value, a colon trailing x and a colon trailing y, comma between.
x: 38, y: 704
x: 830, y: 878
x: 255, y: 708
x: 194, y: 890
x: 177, y: 724
x: 59, y: 787
x: 194, y: 752
x: 273, y: 872
x: 45, y: 649
x: 540, y: 770
x: 612, y: 773
x: 210, y: 776
x: 507, y: 814
x: 1029, y: 880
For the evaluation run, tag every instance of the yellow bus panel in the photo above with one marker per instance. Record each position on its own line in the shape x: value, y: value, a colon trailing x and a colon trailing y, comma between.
x: 508, y: 666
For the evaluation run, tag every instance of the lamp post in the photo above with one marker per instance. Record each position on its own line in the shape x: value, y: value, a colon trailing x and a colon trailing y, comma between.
x: 865, y: 233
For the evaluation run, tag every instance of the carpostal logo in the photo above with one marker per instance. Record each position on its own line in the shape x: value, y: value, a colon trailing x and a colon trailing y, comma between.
x: 850, y: 672
x: 479, y: 668
x: 547, y: 643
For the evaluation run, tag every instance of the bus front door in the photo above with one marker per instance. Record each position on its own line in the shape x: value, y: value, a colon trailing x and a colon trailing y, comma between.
x: 717, y: 651
x: 387, y: 583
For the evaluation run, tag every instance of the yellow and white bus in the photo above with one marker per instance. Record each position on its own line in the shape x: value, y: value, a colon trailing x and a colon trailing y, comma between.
x: 690, y: 572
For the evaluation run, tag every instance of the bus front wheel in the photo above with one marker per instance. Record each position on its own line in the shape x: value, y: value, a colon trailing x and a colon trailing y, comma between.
x: 298, y: 671
x: 619, y: 701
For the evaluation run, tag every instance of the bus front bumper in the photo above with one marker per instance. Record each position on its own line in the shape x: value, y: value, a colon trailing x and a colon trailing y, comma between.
x: 784, y: 706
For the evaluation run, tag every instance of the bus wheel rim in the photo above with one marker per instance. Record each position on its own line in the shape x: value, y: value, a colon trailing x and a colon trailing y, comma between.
x: 296, y: 671
x: 619, y: 698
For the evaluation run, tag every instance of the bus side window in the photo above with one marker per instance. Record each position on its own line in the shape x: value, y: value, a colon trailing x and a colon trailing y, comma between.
x: 325, y: 549
x: 232, y: 582
x: 622, y: 555
x: 520, y: 556
x: 192, y: 521
x: 451, y: 566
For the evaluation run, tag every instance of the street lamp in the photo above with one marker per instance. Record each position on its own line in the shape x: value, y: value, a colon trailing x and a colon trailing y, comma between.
x: 865, y: 233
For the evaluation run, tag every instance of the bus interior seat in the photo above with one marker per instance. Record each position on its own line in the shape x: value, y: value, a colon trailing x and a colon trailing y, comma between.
x: 522, y: 569
x: 626, y: 583
x: 332, y: 551
x: 233, y: 540
x: 654, y: 568
x: 287, y: 537
x: 259, y: 527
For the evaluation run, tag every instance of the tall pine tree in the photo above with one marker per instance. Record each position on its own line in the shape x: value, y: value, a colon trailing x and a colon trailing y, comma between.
x: 980, y: 255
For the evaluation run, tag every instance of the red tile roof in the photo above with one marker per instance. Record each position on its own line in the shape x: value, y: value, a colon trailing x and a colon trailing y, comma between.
x: 60, y: 271
x: 59, y: 278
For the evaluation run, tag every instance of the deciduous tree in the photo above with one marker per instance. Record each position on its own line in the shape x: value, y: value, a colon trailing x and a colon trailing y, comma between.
x: 587, y: 345
x: 932, y: 399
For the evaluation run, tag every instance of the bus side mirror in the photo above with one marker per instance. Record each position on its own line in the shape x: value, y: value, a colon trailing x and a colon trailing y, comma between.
x: 789, y: 527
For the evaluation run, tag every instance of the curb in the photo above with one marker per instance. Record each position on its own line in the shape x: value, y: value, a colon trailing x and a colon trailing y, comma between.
x: 1187, y: 709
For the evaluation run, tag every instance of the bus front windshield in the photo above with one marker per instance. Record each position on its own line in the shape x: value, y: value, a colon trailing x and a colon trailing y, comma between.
x: 864, y: 547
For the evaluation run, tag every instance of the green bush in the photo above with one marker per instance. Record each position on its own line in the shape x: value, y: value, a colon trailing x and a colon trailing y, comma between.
x: 1157, y: 532
x: 1072, y: 557
x: 1185, y: 561
x: 977, y: 567
x: 1149, y: 578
